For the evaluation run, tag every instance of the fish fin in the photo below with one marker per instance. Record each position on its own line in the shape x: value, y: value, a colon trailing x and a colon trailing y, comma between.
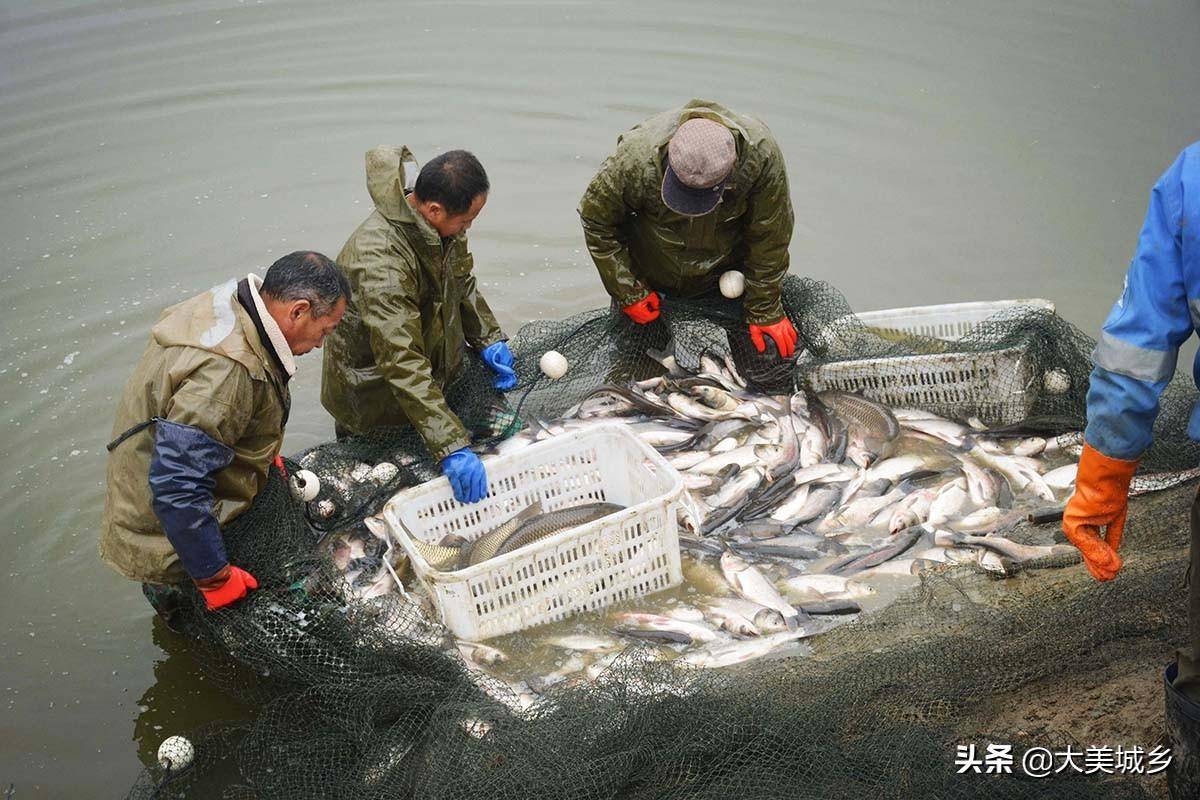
x: 530, y: 511
x: 377, y: 527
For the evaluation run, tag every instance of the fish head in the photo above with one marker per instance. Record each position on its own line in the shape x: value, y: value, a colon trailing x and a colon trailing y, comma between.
x: 731, y: 562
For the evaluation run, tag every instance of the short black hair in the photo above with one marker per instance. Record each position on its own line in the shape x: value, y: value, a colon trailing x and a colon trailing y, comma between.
x: 306, y: 275
x: 454, y: 179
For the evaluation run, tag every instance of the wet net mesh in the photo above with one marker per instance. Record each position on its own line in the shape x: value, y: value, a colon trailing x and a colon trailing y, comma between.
x: 365, y: 698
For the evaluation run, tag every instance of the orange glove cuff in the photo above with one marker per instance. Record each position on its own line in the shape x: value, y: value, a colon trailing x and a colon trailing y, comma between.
x: 229, y: 585
x: 1101, y: 499
x: 782, y: 332
x: 1111, y: 476
x: 644, y: 310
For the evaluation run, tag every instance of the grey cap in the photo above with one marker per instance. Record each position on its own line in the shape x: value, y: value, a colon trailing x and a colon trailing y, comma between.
x: 700, y: 158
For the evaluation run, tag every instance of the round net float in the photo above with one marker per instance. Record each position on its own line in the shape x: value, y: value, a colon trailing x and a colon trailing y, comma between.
x: 1056, y: 381
x: 733, y: 283
x: 176, y: 753
x: 553, y: 364
x: 305, y: 485
x: 383, y: 472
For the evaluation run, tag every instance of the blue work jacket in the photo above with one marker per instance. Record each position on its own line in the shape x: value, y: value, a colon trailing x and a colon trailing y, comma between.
x: 1158, y: 310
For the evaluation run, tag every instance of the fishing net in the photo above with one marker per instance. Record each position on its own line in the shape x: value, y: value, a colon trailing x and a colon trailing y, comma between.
x: 365, y: 698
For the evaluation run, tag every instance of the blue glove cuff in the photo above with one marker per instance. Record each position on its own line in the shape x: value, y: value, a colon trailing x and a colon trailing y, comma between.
x: 466, y: 474
x: 500, y: 359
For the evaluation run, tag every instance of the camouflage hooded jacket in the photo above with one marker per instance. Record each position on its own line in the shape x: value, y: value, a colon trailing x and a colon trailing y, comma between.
x: 639, y: 244
x: 414, y: 307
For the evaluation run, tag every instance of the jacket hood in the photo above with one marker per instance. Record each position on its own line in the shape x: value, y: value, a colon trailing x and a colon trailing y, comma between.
x: 214, y: 321
x: 707, y: 109
x: 386, y: 182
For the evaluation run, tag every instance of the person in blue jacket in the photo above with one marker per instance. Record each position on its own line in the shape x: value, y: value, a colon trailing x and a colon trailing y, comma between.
x: 1157, y: 312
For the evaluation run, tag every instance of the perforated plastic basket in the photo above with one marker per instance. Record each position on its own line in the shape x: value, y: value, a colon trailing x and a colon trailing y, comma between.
x: 1000, y: 386
x: 627, y: 554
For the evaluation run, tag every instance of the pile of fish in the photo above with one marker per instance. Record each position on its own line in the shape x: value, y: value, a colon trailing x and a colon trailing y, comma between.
x: 802, y: 504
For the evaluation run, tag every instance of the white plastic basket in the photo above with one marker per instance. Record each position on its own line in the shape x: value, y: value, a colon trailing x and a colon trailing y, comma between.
x: 1000, y: 386
x: 948, y: 322
x: 624, y: 555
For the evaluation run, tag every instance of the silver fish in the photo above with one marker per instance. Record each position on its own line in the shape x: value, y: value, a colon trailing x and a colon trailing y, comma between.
x: 862, y: 510
x: 753, y: 586
x: 892, y: 469
x: 800, y: 546
x: 824, y: 473
x: 1021, y: 474
x: 894, y: 545
x: 792, y: 503
x: 823, y: 586
x: 1014, y: 551
x: 1062, y: 478
x: 714, y: 398
x: 690, y: 407
x: 987, y: 518
x: 729, y: 620
x: 482, y: 654
x: 742, y: 456
x: 767, y: 620
x: 1062, y: 442
x: 584, y: 643
x: 813, y: 446
x: 912, y: 510
x: 949, y: 432
x: 981, y: 486
x: 737, y: 429
x: 820, y: 502
x: 667, y: 358
x: 741, y: 651
x: 1029, y: 447
x: 952, y: 501
x: 735, y: 491
x: 661, y: 628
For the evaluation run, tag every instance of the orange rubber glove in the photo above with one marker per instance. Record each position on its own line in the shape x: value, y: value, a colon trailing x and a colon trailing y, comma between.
x: 227, y: 586
x: 644, y: 310
x: 1101, y: 499
x: 782, y: 332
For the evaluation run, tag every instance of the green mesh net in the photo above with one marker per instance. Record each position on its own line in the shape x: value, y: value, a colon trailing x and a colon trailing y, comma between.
x: 359, y: 695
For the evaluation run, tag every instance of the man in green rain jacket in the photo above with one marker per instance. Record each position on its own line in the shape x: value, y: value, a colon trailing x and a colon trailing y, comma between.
x: 415, y: 308
x: 689, y: 194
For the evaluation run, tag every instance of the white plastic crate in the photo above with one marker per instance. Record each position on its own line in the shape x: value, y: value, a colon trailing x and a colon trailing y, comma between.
x: 948, y: 321
x: 627, y: 554
x: 1000, y: 386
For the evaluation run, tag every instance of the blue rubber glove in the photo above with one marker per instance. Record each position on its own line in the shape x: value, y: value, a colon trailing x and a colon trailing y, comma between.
x: 500, y: 359
x: 466, y: 474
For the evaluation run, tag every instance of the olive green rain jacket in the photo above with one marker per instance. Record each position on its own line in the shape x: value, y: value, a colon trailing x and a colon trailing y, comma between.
x: 414, y: 307
x: 639, y: 244
x: 205, y: 366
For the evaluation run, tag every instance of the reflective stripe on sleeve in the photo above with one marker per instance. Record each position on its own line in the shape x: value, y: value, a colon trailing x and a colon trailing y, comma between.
x: 1127, y: 359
